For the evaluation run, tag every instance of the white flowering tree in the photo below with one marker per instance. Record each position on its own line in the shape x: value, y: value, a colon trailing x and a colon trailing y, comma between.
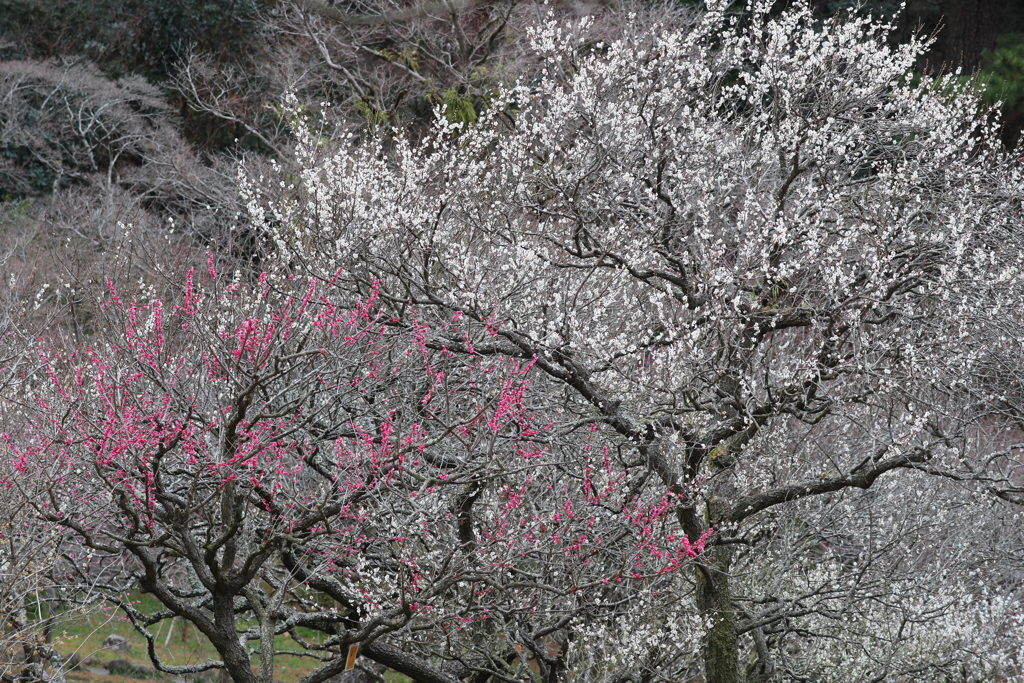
x: 764, y: 256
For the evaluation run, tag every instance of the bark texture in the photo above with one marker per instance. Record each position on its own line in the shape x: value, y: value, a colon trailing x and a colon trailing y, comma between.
x: 721, y: 652
x: 972, y: 27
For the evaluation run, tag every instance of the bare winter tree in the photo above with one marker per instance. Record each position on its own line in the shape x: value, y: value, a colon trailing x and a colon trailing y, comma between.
x: 65, y: 124
x: 89, y: 152
x: 385, y: 64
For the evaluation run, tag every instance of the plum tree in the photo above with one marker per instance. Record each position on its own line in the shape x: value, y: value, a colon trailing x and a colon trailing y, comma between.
x: 268, y: 458
x: 770, y: 261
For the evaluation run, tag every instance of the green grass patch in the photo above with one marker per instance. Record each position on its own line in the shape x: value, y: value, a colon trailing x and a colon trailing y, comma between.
x: 178, y: 644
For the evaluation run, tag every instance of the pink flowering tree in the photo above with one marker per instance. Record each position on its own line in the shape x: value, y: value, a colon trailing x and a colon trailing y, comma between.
x: 291, y: 470
x: 761, y: 255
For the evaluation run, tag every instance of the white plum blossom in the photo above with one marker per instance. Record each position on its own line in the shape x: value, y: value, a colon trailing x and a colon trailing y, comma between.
x: 762, y: 251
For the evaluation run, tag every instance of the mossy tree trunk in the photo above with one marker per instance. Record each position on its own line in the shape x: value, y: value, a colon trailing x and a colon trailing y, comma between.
x: 721, y: 649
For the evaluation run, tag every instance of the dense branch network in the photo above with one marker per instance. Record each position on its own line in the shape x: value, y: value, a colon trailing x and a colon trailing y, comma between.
x: 688, y: 355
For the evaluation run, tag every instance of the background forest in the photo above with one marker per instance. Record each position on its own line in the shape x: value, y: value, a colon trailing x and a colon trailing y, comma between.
x: 506, y: 341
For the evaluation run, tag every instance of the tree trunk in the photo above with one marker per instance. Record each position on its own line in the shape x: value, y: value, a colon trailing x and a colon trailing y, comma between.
x: 972, y: 27
x: 721, y: 651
